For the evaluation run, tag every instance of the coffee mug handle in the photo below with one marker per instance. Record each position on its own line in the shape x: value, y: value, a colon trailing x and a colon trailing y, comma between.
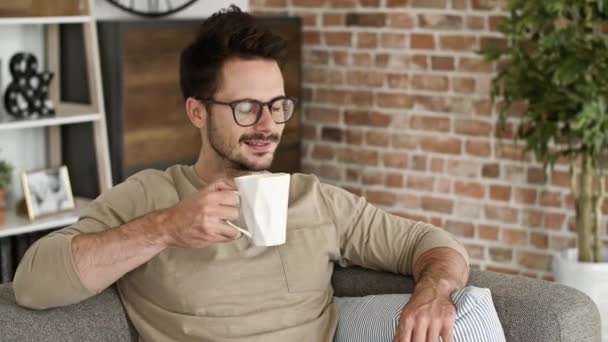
x: 248, y: 234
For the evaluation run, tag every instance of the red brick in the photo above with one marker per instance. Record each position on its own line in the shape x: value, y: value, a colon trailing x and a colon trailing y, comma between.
x: 396, y: 3
x: 394, y: 100
x: 478, y: 148
x: 534, y: 260
x: 338, y: 38
x: 367, y: 40
x: 372, y: 178
x: 344, y: 3
x: 357, y: 156
x: 441, y: 145
x: 367, y: 118
x: 381, y: 60
x: 439, y: 205
x: 381, y: 197
x: 485, y: 4
x: 444, y: 186
x: 366, y: 19
x: 354, y: 190
x: 560, y: 178
x: 483, y: 107
x: 510, y: 151
x: 419, y: 163
x: 374, y: 138
x: 339, y: 57
x: 409, y: 201
x: 407, y: 141
x: 311, y: 37
x: 393, y: 180
x: 424, y: 183
x: 365, y: 78
x: 370, y: 3
x: 554, y: 221
x: 309, y: 20
x: 473, y: 127
x: 500, y: 269
x: 394, y: 159
x: 353, y: 175
x: 354, y: 137
x: 431, y: 103
x: 487, y: 232
x: 457, y: 43
x: 309, y: 132
x: 430, y: 123
x: 363, y: 59
x: 458, y: 228
x: 551, y: 199
x: 460, y: 4
x: 430, y: 82
x: 437, y: 165
x: 398, y: 80
x: 323, y: 152
x: 495, y: 22
x: 316, y: 57
x: 487, y: 42
x: 333, y: 19
x: 490, y: 170
x: 514, y: 237
x: 440, y: 21
x: 441, y: 63
x: 463, y: 84
x: 531, y: 218
x: 422, y: 41
x: 476, y: 23
x: 393, y: 40
x: 539, y: 240
x: 307, y: 3
x: 500, y: 254
x: 429, y: 3
x: 331, y: 134
x: 478, y: 65
x: 401, y: 20
x: 501, y: 213
x: 463, y: 168
x: 323, y: 115
x: 500, y: 192
x: 469, y: 189
x: 475, y: 251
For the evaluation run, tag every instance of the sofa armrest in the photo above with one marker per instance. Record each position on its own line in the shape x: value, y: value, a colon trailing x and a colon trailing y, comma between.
x: 100, y: 318
x: 529, y: 309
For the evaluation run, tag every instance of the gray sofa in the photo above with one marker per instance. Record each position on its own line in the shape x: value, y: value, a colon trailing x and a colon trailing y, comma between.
x: 530, y: 310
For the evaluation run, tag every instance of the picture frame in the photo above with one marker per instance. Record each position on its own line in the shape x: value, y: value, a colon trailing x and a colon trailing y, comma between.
x: 47, y: 191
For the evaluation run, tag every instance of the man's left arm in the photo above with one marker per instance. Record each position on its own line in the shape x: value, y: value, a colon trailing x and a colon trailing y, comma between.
x: 430, y: 312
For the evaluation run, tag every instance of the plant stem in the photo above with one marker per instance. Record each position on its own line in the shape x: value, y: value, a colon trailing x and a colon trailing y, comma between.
x: 584, y: 211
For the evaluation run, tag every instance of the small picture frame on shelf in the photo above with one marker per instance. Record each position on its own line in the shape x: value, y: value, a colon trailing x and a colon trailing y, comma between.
x: 47, y: 191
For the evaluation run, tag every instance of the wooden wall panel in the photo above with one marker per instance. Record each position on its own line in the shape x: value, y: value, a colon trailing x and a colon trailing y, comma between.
x: 42, y: 8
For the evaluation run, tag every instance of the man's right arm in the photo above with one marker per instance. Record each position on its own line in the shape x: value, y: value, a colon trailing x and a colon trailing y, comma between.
x: 67, y: 267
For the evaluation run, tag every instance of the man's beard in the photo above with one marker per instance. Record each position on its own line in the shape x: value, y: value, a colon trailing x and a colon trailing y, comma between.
x: 239, y: 162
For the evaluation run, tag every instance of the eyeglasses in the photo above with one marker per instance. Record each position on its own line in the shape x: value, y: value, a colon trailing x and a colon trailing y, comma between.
x: 248, y: 112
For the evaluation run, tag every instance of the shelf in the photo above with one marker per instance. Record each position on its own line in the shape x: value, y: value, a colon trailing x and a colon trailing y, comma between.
x: 16, y: 225
x: 7, y: 122
x: 44, y: 20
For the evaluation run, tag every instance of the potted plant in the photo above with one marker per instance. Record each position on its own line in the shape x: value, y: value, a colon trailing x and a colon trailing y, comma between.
x: 554, y: 64
x: 5, y: 179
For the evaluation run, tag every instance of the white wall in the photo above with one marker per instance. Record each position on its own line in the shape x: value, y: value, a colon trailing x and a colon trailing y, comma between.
x: 26, y: 149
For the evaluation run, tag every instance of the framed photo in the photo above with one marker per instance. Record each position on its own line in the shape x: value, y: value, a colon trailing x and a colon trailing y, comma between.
x: 47, y: 191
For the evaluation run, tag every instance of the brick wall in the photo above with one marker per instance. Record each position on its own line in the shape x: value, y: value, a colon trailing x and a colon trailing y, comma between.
x: 396, y: 108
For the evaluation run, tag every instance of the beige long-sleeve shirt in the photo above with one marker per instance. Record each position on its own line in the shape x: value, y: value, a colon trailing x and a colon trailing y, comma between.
x: 233, y: 291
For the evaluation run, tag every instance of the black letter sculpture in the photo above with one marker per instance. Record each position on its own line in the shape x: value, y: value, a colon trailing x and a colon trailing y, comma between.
x: 27, y: 95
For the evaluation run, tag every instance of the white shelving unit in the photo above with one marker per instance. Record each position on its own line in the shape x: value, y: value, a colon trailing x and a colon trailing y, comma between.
x: 67, y: 113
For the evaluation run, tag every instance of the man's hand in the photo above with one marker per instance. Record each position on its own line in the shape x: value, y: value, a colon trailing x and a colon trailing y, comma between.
x: 429, y: 314
x: 200, y: 219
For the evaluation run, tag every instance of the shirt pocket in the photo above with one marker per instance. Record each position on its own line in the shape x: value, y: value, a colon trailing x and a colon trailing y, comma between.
x: 308, y: 257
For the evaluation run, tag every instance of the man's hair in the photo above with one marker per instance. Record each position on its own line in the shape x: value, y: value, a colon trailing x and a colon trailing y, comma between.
x: 226, y: 34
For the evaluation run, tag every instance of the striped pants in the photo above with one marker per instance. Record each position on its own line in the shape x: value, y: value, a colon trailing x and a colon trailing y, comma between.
x: 375, y: 318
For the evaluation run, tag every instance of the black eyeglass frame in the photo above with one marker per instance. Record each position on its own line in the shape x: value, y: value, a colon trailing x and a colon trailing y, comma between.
x: 233, y: 104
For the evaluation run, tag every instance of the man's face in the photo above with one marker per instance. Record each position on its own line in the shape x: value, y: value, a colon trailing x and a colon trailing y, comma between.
x: 245, y: 148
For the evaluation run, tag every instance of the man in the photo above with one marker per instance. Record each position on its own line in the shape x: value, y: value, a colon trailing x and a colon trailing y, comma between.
x: 185, y: 274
